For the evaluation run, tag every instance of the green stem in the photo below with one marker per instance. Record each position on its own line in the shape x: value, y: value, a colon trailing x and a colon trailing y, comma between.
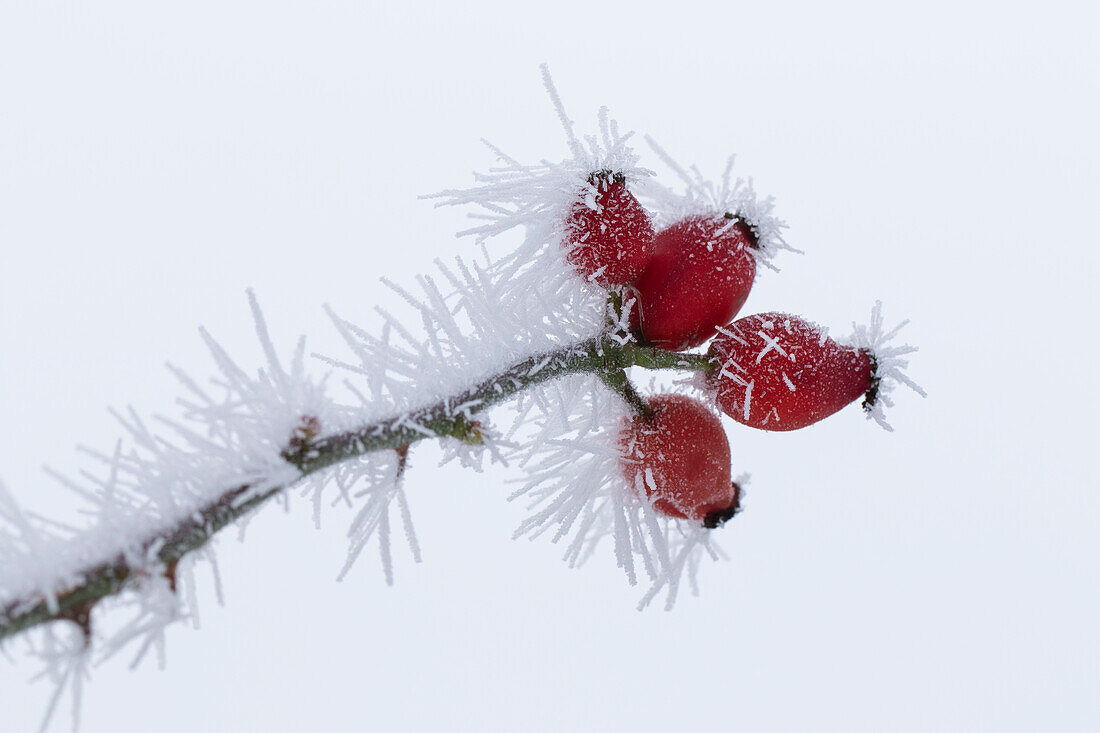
x: 450, y: 417
x: 618, y: 382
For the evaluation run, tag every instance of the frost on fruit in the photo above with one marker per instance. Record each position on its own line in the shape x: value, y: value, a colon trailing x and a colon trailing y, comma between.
x: 777, y: 371
x: 609, y: 238
x: 679, y: 457
x: 700, y: 275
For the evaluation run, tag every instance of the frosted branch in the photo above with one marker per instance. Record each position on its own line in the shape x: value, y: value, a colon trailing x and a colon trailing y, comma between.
x: 451, y: 417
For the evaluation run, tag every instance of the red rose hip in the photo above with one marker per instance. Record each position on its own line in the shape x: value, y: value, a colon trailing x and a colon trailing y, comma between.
x: 609, y: 235
x: 680, y: 458
x: 780, y: 372
x: 700, y: 275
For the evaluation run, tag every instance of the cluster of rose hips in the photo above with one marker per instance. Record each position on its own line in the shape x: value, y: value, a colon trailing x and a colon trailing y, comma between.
x: 684, y: 285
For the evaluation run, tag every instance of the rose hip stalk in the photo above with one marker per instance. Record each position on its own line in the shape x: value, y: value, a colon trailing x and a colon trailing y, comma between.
x: 680, y: 458
x: 609, y: 234
x: 700, y: 275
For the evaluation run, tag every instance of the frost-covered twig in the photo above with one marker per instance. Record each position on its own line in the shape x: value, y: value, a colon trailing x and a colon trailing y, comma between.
x: 451, y: 417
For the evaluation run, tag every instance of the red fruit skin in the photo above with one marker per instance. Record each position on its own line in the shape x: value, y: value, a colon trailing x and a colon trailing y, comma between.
x: 611, y: 244
x: 680, y: 456
x: 699, y: 276
x: 781, y: 372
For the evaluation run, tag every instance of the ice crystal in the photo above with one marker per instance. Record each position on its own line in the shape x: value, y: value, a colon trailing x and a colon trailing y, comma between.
x: 701, y: 196
x: 66, y: 657
x: 539, y: 197
x: 228, y: 437
x: 889, y: 363
x: 226, y: 447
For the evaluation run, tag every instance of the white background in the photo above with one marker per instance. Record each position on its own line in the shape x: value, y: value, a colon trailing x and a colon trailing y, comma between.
x: 156, y: 160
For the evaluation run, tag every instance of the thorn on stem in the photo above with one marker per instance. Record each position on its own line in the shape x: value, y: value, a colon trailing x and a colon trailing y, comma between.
x: 170, y: 573
x: 81, y: 615
x: 308, y: 428
x: 468, y: 431
x: 402, y: 452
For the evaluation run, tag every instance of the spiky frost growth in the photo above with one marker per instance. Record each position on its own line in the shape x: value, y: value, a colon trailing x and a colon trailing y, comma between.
x: 155, y: 606
x: 228, y: 437
x: 887, y: 364
x: 373, y: 485
x: 539, y: 197
x: 475, y: 321
x: 25, y: 544
x: 576, y: 490
x: 476, y: 318
x: 149, y: 501
x: 65, y: 655
x: 702, y: 196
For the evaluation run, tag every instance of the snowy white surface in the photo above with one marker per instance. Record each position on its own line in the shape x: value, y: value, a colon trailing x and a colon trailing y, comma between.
x: 159, y: 162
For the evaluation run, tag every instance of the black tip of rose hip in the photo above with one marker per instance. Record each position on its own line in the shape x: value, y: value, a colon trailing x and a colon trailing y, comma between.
x: 750, y: 230
x: 605, y: 175
x: 871, y: 395
x: 717, y: 519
